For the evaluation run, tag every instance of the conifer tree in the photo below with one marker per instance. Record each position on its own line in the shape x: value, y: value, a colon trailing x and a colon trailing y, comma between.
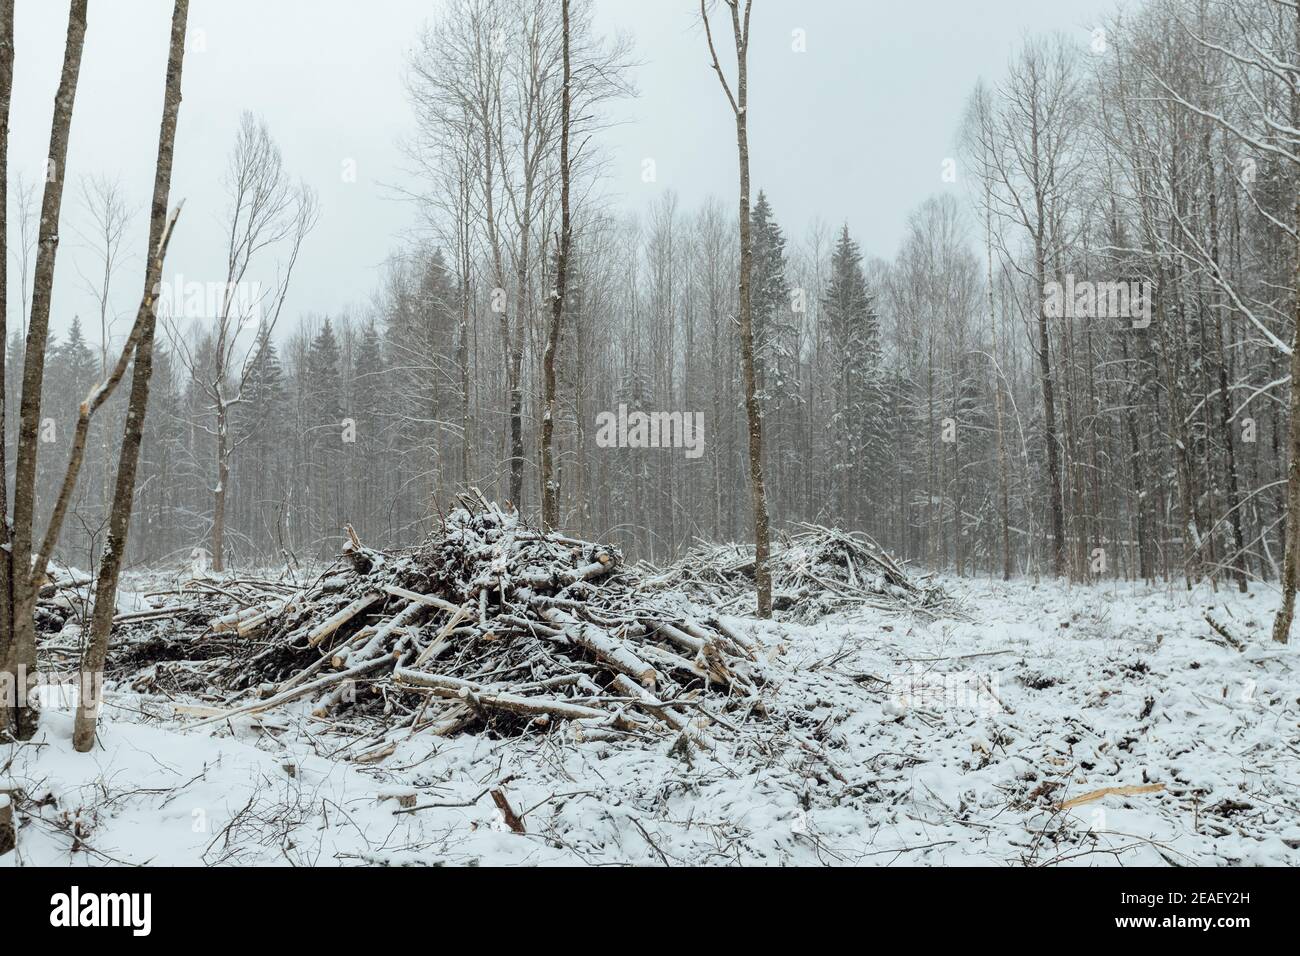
x: 853, y: 323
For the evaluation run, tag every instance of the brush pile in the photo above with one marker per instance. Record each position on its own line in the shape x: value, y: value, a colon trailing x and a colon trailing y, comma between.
x: 64, y: 595
x: 488, y: 625
x: 815, y: 571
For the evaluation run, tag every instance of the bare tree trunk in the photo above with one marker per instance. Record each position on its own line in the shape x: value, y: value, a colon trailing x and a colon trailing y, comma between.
x: 265, y: 211
x: 7, y: 676
x: 740, y: 107
x: 1282, y: 623
x: 1133, y: 391
x: 92, y: 665
x: 462, y: 359
x: 219, y: 492
x: 1052, y: 445
x: 77, y: 454
x: 932, y: 483
x: 516, y: 386
x: 1004, y: 498
x: 24, y: 587
x: 550, y: 485
x: 1233, y: 502
x: 1174, y: 327
x: 462, y: 346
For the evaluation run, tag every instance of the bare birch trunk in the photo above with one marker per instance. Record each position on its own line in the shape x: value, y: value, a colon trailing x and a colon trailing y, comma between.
x: 7, y: 676
x: 92, y: 665
x: 76, y: 455
x: 1233, y: 503
x: 462, y: 360
x: 740, y: 106
x: 219, y: 492
x: 24, y: 587
x: 1004, y: 497
x: 1282, y: 623
x: 1051, y: 443
x: 550, y: 484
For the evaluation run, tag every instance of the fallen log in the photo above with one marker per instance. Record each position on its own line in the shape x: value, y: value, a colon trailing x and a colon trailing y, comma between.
x: 524, y: 706
x: 283, y: 698
x: 1130, y: 791
x: 153, y: 614
x: 512, y: 819
x: 231, y: 621
x: 663, y: 711
x: 331, y: 624
x: 603, y: 646
x: 428, y: 600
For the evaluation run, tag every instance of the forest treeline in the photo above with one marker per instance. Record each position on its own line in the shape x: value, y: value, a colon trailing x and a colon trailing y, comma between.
x: 925, y: 395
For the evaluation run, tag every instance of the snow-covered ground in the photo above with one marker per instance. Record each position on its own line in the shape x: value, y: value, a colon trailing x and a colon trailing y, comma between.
x: 950, y: 742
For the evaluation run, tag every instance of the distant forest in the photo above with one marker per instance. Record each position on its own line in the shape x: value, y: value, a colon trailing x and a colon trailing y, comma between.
x: 923, y: 395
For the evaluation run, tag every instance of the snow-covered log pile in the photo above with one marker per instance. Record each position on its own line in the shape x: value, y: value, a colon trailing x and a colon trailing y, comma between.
x: 63, y: 596
x: 490, y: 624
x: 815, y: 571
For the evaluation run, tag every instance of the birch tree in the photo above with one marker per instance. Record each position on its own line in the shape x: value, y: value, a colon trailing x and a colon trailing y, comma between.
x: 1259, y: 41
x: 160, y: 227
x: 8, y: 677
x: 25, y: 585
x: 549, y: 481
x: 739, y: 102
x: 267, y: 213
x: 1032, y: 161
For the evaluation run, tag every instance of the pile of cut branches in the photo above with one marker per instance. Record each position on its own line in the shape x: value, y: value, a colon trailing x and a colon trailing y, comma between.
x: 175, y: 641
x: 64, y: 595
x: 488, y: 625
x: 815, y: 571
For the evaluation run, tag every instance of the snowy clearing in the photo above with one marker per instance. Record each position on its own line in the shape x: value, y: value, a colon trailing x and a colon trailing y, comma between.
x: 958, y: 741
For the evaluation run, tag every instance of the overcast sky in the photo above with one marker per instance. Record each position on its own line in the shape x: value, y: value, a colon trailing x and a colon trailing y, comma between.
x: 854, y: 129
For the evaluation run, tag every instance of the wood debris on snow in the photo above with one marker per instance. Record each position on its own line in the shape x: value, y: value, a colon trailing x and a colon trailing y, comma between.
x: 815, y: 571
x: 490, y: 624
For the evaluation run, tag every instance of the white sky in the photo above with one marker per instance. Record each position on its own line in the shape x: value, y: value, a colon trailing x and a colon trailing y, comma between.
x: 854, y: 129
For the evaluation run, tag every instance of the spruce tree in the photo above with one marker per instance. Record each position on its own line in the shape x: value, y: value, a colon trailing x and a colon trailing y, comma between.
x: 857, y: 432
x: 323, y: 395
x: 367, y: 410
x: 771, y: 297
x: 260, y: 425
x: 322, y: 379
